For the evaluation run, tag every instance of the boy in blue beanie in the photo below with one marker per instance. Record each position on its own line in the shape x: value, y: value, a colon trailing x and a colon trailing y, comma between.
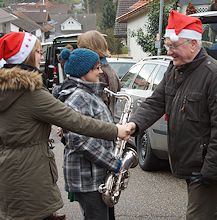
x: 86, y: 160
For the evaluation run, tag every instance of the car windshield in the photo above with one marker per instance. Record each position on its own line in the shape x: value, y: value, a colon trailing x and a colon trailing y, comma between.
x: 121, y: 67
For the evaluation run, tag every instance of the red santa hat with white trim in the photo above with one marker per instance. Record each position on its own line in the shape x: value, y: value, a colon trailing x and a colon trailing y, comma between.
x: 15, y: 47
x: 183, y: 26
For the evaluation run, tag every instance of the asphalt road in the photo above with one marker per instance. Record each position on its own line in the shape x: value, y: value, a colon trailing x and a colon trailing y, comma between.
x: 149, y: 196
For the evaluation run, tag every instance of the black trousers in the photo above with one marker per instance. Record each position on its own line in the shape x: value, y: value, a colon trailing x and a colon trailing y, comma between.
x: 202, y: 201
x: 93, y: 206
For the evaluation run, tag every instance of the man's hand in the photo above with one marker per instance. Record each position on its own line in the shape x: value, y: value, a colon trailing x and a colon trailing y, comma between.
x: 132, y: 127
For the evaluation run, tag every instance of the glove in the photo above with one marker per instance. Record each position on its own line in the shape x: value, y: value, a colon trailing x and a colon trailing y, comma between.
x: 198, y: 178
x: 118, y: 166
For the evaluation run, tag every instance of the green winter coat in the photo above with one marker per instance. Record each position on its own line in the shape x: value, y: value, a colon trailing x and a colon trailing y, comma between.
x: 28, y: 173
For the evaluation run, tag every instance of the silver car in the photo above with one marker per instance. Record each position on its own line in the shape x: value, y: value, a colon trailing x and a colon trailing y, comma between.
x: 139, y: 82
x: 121, y: 65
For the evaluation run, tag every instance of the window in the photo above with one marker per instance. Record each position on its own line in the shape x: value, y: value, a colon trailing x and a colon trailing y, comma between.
x: 121, y: 67
x: 209, y: 39
x: 129, y: 76
x: 159, y: 76
x: 143, y: 79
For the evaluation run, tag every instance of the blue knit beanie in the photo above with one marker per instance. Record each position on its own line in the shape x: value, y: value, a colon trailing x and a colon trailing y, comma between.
x: 79, y: 61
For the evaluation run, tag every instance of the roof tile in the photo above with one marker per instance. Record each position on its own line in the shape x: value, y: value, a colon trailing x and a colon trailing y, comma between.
x: 123, y: 7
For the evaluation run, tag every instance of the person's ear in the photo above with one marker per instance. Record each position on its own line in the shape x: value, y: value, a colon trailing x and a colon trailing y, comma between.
x: 194, y: 45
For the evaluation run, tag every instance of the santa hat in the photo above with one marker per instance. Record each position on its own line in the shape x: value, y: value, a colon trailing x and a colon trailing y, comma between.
x: 16, y: 46
x: 183, y: 26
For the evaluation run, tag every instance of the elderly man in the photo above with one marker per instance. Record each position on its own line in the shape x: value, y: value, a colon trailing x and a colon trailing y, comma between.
x: 188, y: 96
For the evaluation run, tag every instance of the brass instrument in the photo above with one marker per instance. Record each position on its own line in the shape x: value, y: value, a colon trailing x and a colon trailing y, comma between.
x: 114, y: 183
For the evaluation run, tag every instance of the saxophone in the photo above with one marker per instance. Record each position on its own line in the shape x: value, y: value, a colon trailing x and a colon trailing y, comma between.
x: 114, y: 183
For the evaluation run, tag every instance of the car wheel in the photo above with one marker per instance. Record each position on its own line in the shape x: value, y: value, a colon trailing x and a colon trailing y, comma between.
x: 147, y: 160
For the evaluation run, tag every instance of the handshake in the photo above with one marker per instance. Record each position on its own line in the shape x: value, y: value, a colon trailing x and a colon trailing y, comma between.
x: 124, y: 131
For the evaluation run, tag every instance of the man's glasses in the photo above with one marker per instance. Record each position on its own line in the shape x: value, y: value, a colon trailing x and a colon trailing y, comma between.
x: 174, y: 47
x: 40, y: 52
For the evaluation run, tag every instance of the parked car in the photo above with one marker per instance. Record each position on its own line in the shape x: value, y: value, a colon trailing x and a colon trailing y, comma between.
x: 45, y: 48
x: 51, y: 67
x: 121, y: 65
x: 139, y: 82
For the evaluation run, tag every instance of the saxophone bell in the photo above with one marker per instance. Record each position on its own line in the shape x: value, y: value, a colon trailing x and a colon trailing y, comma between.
x: 130, y: 159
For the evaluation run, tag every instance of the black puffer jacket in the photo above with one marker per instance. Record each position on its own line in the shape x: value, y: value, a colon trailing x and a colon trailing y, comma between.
x: 189, y: 97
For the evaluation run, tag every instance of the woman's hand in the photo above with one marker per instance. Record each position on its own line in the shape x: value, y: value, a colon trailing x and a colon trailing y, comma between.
x: 60, y: 132
x: 124, y: 131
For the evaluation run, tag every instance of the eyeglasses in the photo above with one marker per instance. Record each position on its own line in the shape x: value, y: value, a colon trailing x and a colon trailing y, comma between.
x: 40, y: 52
x: 174, y: 47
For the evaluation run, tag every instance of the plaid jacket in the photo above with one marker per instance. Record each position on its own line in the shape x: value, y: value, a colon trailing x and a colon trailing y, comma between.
x: 86, y: 159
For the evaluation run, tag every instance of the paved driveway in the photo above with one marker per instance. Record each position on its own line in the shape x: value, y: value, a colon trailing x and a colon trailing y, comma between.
x: 149, y: 196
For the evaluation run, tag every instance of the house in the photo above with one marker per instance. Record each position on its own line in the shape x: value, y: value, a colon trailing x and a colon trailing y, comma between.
x: 23, y: 23
x: 18, y: 22
x: 69, y: 24
x: 41, y: 18
x: 5, y: 21
x: 50, y: 7
x: 56, y: 18
x: 135, y: 18
x: 57, y: 8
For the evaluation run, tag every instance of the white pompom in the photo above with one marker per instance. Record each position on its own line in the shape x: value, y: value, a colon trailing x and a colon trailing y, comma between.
x: 174, y: 37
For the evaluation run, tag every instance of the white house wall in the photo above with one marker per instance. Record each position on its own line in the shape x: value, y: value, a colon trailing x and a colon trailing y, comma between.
x: 1, y: 28
x: 134, y: 24
x: 70, y: 24
x: 38, y: 33
x: 8, y: 27
x: 12, y: 27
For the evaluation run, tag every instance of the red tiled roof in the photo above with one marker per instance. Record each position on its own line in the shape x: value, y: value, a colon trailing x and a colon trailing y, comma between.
x: 47, y: 4
x: 139, y: 3
x: 53, y: 7
x: 136, y: 8
x: 38, y: 16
